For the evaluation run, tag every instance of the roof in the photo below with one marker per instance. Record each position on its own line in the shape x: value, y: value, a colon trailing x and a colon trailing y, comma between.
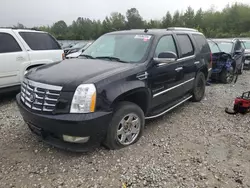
x: 224, y: 39
x: 20, y: 30
x: 156, y: 31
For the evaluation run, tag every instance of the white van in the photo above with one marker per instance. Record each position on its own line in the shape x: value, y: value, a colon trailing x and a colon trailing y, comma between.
x: 21, y: 50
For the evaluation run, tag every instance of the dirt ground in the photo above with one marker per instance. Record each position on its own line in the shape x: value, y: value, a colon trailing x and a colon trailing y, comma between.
x: 195, y: 145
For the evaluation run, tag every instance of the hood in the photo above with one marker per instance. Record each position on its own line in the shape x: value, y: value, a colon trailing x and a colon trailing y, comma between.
x: 72, y: 72
x: 75, y: 54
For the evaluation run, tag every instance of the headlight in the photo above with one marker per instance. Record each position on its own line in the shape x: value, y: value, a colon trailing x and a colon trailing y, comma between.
x: 84, y: 99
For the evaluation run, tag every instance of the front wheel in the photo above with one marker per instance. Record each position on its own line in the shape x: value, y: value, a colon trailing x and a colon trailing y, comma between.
x: 126, y: 126
x: 227, y: 75
x: 199, y: 87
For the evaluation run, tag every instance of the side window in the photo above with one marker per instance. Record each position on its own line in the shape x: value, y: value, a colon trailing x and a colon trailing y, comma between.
x: 185, y: 45
x: 202, y: 43
x: 40, y: 41
x: 166, y: 43
x: 8, y: 44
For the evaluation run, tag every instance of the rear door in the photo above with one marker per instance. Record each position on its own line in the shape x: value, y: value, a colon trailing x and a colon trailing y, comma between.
x: 42, y: 47
x: 165, y: 78
x: 12, y: 58
x: 187, y: 61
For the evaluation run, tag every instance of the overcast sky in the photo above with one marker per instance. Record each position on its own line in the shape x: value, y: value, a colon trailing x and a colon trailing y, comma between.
x: 46, y: 12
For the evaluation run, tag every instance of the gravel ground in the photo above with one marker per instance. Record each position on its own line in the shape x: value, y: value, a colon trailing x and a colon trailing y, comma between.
x: 196, y: 145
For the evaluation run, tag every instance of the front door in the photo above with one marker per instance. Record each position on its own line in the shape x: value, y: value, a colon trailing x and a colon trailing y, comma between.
x: 238, y: 57
x: 164, y: 78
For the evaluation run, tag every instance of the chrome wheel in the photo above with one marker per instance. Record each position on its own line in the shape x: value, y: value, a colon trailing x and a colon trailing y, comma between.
x: 128, y: 129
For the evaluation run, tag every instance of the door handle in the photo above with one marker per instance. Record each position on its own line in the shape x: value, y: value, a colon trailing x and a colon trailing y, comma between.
x: 178, y: 69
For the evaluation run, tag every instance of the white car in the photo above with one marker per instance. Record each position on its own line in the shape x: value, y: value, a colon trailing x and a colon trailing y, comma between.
x: 21, y: 50
x: 79, y: 52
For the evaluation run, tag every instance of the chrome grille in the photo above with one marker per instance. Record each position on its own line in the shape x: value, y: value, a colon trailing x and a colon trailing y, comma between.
x: 38, y: 96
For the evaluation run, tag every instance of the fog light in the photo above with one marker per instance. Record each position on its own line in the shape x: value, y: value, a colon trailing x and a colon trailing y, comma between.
x: 75, y: 139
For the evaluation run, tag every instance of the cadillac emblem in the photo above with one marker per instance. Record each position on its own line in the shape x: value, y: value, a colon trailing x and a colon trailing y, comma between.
x: 32, y: 97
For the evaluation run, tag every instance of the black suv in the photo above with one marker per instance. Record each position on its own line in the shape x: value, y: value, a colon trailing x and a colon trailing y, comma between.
x: 123, y: 78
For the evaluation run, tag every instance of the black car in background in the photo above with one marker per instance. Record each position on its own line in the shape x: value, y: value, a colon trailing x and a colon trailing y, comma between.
x: 246, y: 44
x: 120, y: 80
x: 235, y: 49
x: 223, y: 65
x: 75, y: 48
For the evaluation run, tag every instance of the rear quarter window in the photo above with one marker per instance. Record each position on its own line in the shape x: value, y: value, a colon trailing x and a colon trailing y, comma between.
x: 40, y: 41
x: 202, y: 43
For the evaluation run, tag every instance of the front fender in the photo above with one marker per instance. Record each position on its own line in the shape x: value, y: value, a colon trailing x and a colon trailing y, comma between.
x: 108, y: 95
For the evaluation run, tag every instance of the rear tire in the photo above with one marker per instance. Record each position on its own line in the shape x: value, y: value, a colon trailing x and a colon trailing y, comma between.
x: 126, y: 126
x: 199, y: 87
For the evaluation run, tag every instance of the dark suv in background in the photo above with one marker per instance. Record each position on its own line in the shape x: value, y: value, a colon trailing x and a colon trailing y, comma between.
x: 123, y: 78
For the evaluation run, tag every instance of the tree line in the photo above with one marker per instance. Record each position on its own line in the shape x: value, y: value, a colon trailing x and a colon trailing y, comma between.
x: 232, y: 21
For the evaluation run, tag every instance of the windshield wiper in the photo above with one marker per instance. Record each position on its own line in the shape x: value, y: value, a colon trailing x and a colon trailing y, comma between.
x: 111, y: 58
x: 87, y: 56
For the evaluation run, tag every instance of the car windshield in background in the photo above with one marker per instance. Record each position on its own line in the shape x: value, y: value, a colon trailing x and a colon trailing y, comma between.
x: 126, y: 47
x: 214, y: 48
x: 225, y: 46
x: 79, y: 45
x: 247, y: 44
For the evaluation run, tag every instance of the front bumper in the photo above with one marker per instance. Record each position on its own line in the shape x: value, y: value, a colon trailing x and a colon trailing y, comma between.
x: 51, y: 127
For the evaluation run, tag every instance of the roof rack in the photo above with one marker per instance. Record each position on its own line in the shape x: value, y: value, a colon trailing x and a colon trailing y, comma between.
x: 181, y: 29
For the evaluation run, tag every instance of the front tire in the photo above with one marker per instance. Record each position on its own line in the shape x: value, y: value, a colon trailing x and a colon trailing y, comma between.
x: 199, y: 87
x: 126, y: 126
x: 227, y: 76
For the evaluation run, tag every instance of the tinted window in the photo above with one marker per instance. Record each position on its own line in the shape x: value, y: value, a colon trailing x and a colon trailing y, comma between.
x: 165, y: 44
x: 126, y: 47
x: 8, y: 44
x: 202, y: 43
x: 185, y: 45
x: 40, y: 41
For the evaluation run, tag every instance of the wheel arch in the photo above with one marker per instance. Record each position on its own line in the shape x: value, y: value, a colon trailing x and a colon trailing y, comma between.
x: 140, y: 96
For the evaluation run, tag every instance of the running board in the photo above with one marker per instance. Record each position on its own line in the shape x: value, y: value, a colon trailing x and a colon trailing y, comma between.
x: 162, y: 113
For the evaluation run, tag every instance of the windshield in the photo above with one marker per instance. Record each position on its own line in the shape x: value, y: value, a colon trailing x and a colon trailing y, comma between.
x: 247, y: 44
x: 225, y: 46
x: 126, y: 47
x: 79, y: 45
x: 214, y: 48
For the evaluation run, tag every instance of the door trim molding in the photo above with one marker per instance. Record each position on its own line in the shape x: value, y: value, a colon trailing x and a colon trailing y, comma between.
x: 165, y: 91
x: 155, y: 116
x: 186, y: 58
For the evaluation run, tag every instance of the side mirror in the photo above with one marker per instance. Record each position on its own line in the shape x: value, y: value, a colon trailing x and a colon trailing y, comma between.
x: 165, y: 57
